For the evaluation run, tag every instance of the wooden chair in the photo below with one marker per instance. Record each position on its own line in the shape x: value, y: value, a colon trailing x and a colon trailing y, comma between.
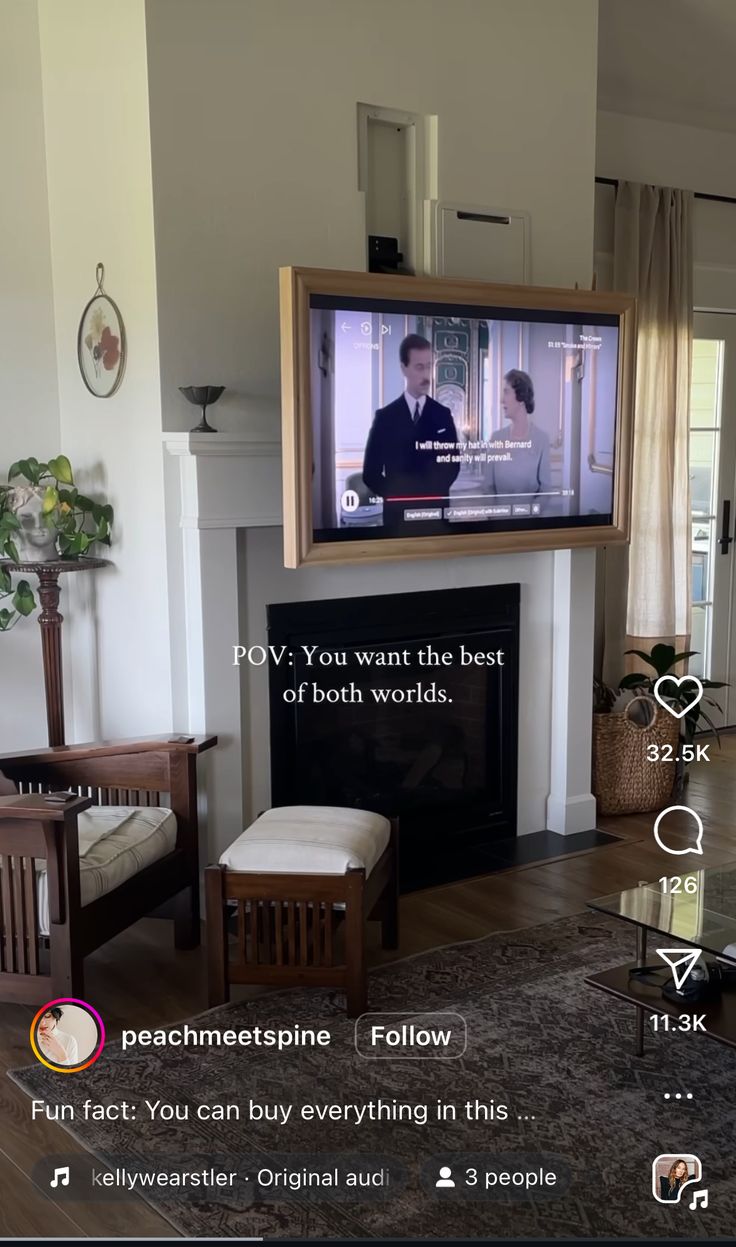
x: 299, y: 929
x: 35, y: 836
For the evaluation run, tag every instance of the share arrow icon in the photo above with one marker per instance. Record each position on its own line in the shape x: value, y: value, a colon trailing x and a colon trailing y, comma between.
x: 680, y: 962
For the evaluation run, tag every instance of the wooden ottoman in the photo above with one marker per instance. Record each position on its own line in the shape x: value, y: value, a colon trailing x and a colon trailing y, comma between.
x: 304, y: 880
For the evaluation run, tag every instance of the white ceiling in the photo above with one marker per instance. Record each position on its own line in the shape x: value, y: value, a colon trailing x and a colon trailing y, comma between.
x: 670, y: 59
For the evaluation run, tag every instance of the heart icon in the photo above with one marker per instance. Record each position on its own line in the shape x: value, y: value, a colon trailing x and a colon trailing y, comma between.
x: 677, y: 711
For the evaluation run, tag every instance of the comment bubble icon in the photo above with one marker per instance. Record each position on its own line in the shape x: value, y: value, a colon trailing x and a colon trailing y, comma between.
x: 660, y: 831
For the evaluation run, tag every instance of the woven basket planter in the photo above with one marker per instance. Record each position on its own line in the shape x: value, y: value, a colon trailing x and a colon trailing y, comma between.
x: 624, y: 780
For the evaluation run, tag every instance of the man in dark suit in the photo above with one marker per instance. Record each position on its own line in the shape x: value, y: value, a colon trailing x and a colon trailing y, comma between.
x: 393, y: 467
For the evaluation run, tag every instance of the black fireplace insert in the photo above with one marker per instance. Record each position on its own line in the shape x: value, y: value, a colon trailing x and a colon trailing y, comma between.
x: 406, y: 704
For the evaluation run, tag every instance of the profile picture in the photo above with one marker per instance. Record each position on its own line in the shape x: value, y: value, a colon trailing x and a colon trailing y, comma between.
x: 671, y: 1173
x: 67, y: 1035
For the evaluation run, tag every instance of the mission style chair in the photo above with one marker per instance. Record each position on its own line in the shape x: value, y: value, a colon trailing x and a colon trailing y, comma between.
x: 139, y: 849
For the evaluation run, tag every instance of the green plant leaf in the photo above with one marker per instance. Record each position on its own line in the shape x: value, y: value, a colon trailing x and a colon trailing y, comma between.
x: 663, y: 658
x: 85, y: 504
x: 66, y: 521
x: 640, y: 653
x: 61, y: 468
x: 6, y: 619
x: 13, y: 470
x: 73, y: 545
x: 12, y: 550
x: 23, y: 599
x: 6, y: 582
x: 634, y: 680
x: 710, y: 723
x: 108, y: 513
x: 50, y: 500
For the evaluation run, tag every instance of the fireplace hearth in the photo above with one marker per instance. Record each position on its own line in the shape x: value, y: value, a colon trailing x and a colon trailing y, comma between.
x: 406, y: 704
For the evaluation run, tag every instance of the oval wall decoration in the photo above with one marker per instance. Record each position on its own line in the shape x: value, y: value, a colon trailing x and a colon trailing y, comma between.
x: 101, y: 346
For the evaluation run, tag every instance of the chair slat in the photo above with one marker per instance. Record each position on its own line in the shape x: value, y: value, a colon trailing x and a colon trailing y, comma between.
x: 31, y: 911
x: 278, y: 930
x: 267, y: 918
x: 8, y: 915
x: 291, y: 931
x: 254, y: 933
x: 328, y: 933
x: 242, y: 933
x: 3, y: 965
x: 22, y: 932
x: 303, y: 933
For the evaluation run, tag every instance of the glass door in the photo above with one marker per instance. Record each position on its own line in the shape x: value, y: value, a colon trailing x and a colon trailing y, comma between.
x: 713, y: 504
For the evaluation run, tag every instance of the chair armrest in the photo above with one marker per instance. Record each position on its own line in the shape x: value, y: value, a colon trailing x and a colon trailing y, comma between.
x: 110, y: 748
x: 32, y: 827
x: 32, y: 807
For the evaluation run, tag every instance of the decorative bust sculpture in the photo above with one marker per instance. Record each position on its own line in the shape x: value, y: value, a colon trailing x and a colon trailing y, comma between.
x: 36, y: 538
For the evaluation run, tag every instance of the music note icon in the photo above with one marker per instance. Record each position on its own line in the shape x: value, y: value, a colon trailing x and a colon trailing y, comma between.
x: 60, y: 1176
x: 699, y: 1198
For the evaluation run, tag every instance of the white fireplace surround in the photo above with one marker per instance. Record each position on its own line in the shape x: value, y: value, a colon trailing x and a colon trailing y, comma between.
x: 229, y: 566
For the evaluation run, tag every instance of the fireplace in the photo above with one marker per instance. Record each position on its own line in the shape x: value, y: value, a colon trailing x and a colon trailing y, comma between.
x: 383, y: 703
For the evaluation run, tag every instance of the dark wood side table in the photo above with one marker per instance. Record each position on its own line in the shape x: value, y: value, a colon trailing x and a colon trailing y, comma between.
x: 50, y: 621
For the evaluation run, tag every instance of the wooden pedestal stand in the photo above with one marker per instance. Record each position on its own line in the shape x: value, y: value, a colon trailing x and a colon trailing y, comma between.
x: 50, y: 621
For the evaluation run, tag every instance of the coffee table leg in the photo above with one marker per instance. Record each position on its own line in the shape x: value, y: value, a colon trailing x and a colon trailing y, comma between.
x: 641, y: 960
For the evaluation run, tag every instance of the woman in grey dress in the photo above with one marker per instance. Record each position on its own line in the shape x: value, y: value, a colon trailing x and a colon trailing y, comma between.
x: 525, y: 477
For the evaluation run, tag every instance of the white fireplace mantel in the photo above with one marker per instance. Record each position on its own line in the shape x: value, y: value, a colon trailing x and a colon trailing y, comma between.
x: 228, y: 480
x: 232, y: 481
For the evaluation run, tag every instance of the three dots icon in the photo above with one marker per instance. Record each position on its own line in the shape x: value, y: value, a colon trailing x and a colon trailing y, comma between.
x: 678, y: 1096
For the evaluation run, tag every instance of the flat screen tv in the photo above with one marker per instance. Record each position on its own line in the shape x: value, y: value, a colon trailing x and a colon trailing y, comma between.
x: 429, y: 417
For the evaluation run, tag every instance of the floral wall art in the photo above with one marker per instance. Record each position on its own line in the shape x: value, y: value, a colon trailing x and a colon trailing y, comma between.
x: 101, y: 347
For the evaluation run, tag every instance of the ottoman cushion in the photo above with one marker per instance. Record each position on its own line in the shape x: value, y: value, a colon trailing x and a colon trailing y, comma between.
x: 309, y: 839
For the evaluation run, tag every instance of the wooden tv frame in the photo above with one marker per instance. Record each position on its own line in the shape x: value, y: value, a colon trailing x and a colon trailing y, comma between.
x: 296, y: 286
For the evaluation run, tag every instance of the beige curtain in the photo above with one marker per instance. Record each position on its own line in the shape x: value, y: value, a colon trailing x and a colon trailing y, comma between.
x: 647, y: 585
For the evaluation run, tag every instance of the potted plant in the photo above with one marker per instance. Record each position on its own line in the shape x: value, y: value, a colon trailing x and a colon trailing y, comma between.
x: 43, y: 518
x: 663, y: 660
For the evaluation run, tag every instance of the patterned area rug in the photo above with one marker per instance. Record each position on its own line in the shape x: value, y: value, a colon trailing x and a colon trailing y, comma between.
x: 558, y: 1053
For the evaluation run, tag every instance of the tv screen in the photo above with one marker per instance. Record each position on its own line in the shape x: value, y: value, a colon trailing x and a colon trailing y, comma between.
x: 437, y: 418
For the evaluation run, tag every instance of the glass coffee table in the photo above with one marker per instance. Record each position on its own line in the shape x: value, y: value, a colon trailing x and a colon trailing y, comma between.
x: 699, y: 913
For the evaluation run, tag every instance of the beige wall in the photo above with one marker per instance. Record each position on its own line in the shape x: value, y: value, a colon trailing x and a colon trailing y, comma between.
x: 254, y: 142
x: 100, y: 206
x: 29, y: 410
x: 642, y: 149
x: 666, y: 153
x: 254, y: 147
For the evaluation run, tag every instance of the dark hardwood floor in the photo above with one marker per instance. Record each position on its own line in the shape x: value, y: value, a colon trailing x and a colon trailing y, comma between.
x: 138, y: 980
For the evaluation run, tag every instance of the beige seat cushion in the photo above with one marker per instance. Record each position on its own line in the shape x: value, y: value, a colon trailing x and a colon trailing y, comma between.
x: 310, y: 839
x: 115, y: 843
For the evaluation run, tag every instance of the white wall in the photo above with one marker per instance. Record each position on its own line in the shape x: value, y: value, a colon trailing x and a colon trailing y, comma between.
x: 664, y: 153
x: 254, y: 143
x: 254, y: 148
x: 100, y: 207
x: 29, y: 411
